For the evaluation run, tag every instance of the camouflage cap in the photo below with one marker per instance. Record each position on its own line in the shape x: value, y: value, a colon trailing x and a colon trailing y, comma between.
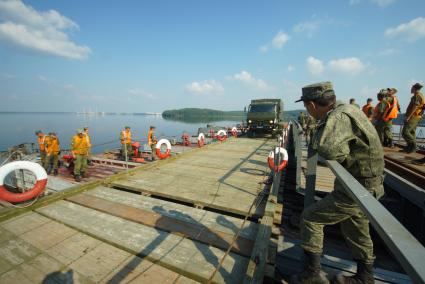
x: 417, y: 86
x: 80, y: 131
x: 383, y: 92
x: 315, y: 91
x: 127, y: 127
x: 392, y: 90
x: 38, y: 132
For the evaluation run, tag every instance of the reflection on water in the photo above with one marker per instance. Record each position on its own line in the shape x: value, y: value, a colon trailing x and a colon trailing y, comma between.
x: 17, y: 128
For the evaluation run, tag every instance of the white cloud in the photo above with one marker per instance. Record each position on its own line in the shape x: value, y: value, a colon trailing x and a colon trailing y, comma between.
x: 411, y: 31
x: 350, y: 65
x: 40, y: 31
x: 315, y: 66
x: 383, y: 3
x: 290, y: 68
x: 277, y: 42
x: 140, y: 93
x: 354, y: 2
x: 248, y: 79
x: 308, y: 27
x: 204, y: 87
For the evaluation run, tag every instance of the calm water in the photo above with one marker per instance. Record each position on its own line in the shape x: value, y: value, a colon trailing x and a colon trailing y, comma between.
x: 18, y: 128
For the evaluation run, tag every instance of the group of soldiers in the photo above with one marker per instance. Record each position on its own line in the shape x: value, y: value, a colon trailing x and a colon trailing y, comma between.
x: 345, y: 134
x: 126, y: 143
x: 50, y: 150
x: 381, y: 116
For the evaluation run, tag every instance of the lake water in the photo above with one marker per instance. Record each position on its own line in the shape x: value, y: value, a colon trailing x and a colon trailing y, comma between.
x: 18, y: 128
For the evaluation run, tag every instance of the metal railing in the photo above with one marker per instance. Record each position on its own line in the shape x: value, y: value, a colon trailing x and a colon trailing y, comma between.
x: 407, y: 250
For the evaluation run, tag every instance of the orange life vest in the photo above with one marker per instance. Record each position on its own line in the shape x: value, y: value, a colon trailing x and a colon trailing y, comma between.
x: 80, y: 145
x: 52, y: 145
x: 41, y: 140
x: 420, y: 108
x: 150, y: 137
x: 125, y: 137
x: 391, y: 111
x: 366, y: 109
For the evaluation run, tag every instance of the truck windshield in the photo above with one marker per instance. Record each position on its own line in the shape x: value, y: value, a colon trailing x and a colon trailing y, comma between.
x: 262, y: 108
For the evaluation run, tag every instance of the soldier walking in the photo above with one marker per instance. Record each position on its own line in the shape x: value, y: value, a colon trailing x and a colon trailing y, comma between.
x: 413, y: 115
x: 341, y: 136
x: 152, y: 142
x: 125, y: 137
x: 52, y: 147
x: 80, y: 151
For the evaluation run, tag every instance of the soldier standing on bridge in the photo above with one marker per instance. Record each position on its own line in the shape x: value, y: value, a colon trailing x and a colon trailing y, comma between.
x: 344, y: 134
x: 413, y: 115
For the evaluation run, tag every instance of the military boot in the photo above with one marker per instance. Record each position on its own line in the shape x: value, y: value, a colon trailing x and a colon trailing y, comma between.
x: 77, y: 178
x: 390, y: 143
x: 411, y: 147
x: 312, y: 271
x: 364, y: 275
x: 55, y: 172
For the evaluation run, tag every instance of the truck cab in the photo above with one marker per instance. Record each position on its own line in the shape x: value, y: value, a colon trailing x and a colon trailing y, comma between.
x: 264, y: 116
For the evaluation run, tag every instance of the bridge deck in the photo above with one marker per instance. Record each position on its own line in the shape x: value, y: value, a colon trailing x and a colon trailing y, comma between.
x: 167, y: 234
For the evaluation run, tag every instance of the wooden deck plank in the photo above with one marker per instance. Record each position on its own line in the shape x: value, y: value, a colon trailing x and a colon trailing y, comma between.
x: 186, y: 257
x: 191, y: 230
x: 215, y: 221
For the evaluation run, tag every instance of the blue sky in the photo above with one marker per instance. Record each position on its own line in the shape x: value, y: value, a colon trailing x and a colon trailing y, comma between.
x: 148, y: 56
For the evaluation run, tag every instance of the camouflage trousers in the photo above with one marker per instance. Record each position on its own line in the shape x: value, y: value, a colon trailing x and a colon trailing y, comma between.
x: 80, y: 164
x: 388, y: 130
x: 42, y: 157
x: 51, y: 159
x: 126, y: 148
x: 380, y: 126
x: 153, y: 153
x: 336, y: 208
x: 409, y: 130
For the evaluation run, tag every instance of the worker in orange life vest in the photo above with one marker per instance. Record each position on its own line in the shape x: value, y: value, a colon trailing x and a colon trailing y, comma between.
x: 152, y: 142
x: 390, y: 112
x: 52, y: 147
x: 40, y: 139
x: 368, y: 109
x: 125, y: 137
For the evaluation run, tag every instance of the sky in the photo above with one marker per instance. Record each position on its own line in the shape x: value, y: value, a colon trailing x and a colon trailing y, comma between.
x: 149, y: 56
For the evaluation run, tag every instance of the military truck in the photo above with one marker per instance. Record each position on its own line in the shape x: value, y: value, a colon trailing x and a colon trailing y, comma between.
x: 264, y: 116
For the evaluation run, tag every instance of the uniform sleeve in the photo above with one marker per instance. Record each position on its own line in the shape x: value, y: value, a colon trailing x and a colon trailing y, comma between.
x: 72, y: 143
x: 337, y: 134
x: 417, y: 100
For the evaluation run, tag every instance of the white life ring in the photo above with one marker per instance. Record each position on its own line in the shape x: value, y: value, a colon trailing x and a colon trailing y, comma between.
x: 234, y: 132
x: 201, y: 139
x: 39, y: 187
x: 158, y: 149
x: 223, y: 135
x: 283, y: 164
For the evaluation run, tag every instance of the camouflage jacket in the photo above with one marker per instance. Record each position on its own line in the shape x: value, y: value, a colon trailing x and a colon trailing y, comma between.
x: 347, y: 136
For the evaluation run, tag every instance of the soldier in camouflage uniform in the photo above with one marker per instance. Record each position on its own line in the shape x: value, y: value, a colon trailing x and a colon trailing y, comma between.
x: 391, y: 104
x: 343, y: 134
x: 380, y: 107
x: 310, y: 127
x: 414, y: 113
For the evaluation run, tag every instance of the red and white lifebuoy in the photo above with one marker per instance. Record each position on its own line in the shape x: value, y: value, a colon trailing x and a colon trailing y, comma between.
x: 221, y: 135
x: 234, y: 132
x: 158, y: 149
x: 282, y: 165
x: 38, y: 188
x: 201, y: 139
